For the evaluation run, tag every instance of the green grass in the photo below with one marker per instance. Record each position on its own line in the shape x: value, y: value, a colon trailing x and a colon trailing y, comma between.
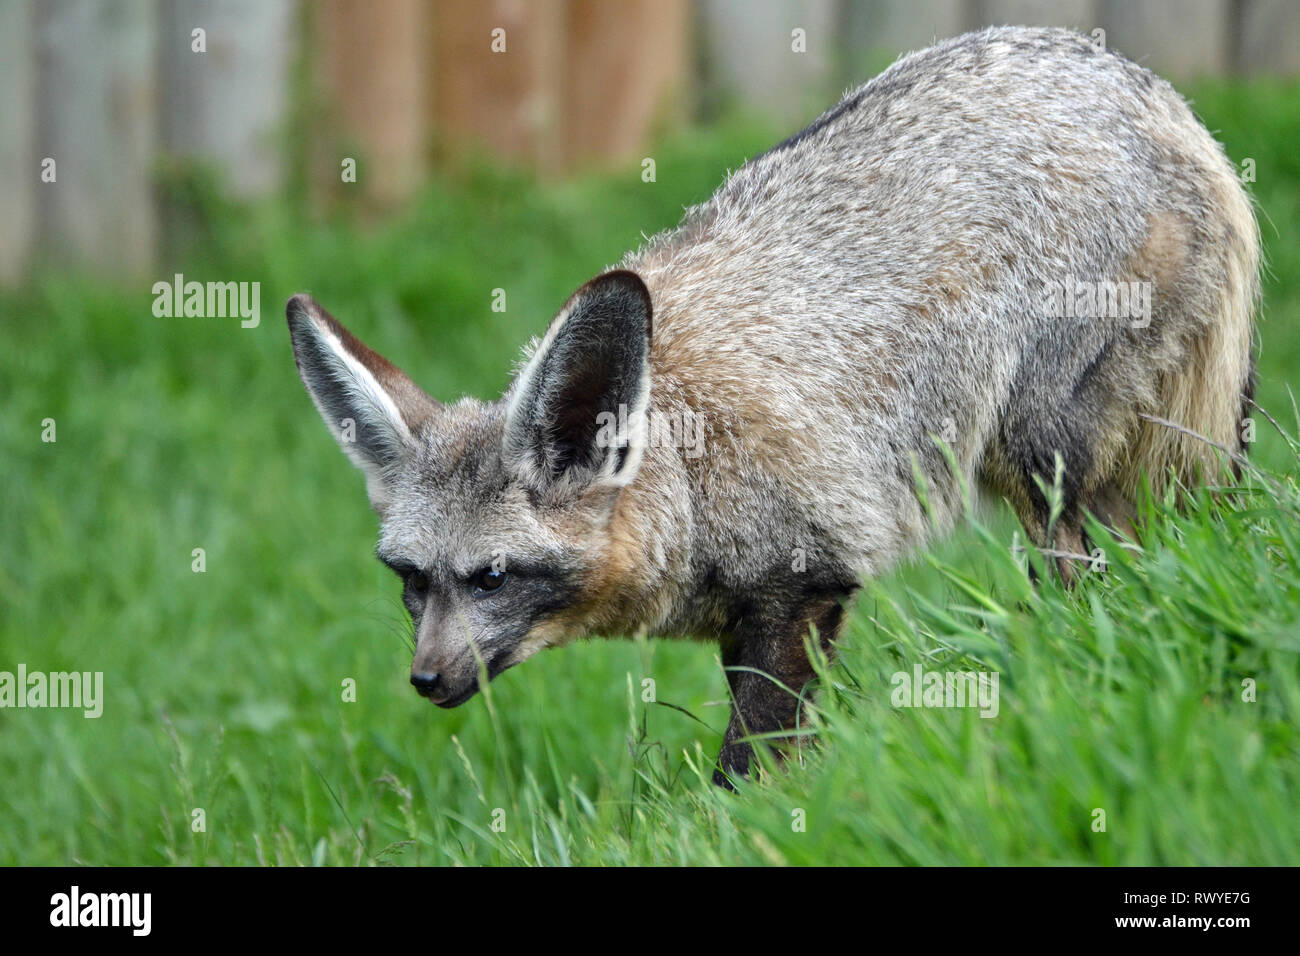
x: 224, y: 688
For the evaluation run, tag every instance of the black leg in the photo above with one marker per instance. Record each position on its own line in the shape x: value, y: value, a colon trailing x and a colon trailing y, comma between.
x: 774, y: 669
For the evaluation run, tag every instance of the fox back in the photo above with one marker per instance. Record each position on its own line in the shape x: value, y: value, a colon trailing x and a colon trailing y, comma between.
x: 1009, y: 250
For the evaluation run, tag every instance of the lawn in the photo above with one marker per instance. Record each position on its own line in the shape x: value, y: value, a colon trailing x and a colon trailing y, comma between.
x: 1159, y: 699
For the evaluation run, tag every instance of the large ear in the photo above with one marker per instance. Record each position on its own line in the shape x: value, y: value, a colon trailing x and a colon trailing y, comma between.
x: 372, y: 409
x: 576, y: 415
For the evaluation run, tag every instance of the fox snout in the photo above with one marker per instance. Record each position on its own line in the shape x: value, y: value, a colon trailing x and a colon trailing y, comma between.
x: 446, y: 691
x: 424, y: 682
x: 439, y: 691
x: 442, y: 676
x: 448, y: 672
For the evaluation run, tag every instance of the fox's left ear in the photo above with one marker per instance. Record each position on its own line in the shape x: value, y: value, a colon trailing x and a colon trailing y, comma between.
x: 576, y: 415
x: 372, y: 409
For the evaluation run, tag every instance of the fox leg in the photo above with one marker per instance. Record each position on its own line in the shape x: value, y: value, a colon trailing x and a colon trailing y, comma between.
x: 1085, y: 419
x: 1066, y: 542
x: 767, y: 668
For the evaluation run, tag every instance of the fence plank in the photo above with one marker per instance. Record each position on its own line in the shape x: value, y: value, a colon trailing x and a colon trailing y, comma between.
x: 1269, y: 37
x: 1176, y: 38
x: 625, y: 72
x: 751, y: 61
x: 96, y: 109
x: 18, y: 166
x: 227, y: 105
x: 505, y: 102
x: 1078, y: 14
x: 373, y: 63
x: 876, y: 31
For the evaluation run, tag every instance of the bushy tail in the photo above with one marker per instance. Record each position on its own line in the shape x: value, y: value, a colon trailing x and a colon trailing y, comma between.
x: 1210, y: 394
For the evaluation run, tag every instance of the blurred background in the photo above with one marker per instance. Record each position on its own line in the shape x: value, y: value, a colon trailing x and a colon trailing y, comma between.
x: 504, y: 152
x: 134, y: 105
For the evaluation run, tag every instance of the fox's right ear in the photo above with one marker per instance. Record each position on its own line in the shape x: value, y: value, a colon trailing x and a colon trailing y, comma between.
x: 370, y: 406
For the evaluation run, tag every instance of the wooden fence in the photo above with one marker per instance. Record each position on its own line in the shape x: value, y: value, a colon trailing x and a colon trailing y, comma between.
x: 100, y: 99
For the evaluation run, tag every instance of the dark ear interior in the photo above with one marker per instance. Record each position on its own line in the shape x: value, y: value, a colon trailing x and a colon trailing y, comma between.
x: 593, y: 361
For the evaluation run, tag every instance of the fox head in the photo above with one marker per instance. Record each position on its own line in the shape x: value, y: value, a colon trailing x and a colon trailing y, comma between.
x: 495, y: 516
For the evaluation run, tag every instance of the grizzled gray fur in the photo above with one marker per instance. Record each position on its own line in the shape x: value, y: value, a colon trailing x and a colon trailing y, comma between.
x: 1014, y: 242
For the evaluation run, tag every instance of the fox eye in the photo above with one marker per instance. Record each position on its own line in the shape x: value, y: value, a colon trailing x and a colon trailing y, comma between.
x: 418, y: 582
x: 488, y: 580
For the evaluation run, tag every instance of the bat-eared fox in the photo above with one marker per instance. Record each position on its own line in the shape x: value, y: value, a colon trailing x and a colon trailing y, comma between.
x: 1009, y: 250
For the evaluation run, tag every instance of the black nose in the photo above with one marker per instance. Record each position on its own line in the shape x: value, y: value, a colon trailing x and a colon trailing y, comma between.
x: 424, y: 682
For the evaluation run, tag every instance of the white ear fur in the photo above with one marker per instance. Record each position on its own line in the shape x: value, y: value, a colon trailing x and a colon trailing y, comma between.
x: 373, y: 410
x: 359, y: 412
x: 635, y: 434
